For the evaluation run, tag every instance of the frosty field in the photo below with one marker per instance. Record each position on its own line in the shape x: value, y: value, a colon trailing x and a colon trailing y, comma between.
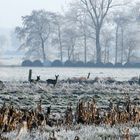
x: 23, y: 94
x: 21, y: 73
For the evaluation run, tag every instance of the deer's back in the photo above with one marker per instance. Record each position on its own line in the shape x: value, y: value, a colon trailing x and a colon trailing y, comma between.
x: 51, y: 81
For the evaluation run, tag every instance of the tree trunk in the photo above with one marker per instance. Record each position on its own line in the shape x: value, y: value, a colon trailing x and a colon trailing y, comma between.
x: 116, y: 49
x: 122, y: 44
x: 85, y: 49
x: 60, y: 44
x: 128, y: 57
x: 73, y: 53
x: 105, y: 57
x: 43, y: 50
x: 108, y: 55
x: 98, y: 47
x: 69, y: 54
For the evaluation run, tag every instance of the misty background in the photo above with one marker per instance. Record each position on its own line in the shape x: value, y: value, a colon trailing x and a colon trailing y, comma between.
x: 70, y: 30
x: 10, y: 15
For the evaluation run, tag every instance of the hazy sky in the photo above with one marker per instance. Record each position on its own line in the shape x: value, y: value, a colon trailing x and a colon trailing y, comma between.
x: 12, y: 10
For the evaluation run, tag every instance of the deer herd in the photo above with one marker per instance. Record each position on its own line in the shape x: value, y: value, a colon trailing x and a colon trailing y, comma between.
x: 54, y: 81
x: 87, y: 79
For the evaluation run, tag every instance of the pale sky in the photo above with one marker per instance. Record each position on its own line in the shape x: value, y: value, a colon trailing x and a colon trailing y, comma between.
x: 12, y: 10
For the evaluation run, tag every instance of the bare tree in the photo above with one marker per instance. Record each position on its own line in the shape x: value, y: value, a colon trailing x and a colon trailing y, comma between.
x: 106, y: 40
x: 78, y: 15
x: 83, y: 33
x: 131, y: 48
x: 69, y: 36
x: 59, y: 21
x: 98, y: 10
x: 69, y: 40
x: 121, y: 21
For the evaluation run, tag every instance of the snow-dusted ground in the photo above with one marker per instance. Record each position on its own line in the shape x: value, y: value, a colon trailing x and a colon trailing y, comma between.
x: 23, y: 94
x: 84, y: 133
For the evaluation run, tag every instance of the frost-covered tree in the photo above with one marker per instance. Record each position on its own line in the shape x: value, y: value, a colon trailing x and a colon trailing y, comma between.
x: 57, y: 40
x: 97, y: 10
x: 131, y: 47
x: 69, y: 39
x: 106, y: 42
x: 90, y: 30
x: 35, y: 32
x: 70, y: 34
x: 84, y: 32
x: 125, y: 25
x: 79, y: 21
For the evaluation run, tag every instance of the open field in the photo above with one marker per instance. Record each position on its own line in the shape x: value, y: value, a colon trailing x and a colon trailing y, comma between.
x: 24, y: 95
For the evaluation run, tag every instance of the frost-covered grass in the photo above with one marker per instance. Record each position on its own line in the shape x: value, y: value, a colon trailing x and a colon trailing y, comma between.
x: 25, y: 95
x: 84, y: 133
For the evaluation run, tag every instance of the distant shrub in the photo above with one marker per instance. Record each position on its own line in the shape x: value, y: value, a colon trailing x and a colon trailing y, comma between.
x: 56, y: 63
x: 27, y: 63
x: 37, y: 63
x: 118, y: 65
x: 128, y: 65
x: 137, y: 65
x: 99, y: 64
x: 79, y: 64
x: 109, y: 64
x: 68, y: 63
x: 47, y: 63
x: 90, y: 64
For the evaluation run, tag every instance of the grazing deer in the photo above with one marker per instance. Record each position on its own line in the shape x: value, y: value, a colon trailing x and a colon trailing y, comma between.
x: 35, y: 81
x: 78, y: 79
x: 53, y: 81
x: 83, y: 78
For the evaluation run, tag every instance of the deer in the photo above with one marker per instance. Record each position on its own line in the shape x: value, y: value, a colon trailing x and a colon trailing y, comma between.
x: 35, y: 80
x: 79, y: 79
x: 52, y: 81
x: 84, y: 78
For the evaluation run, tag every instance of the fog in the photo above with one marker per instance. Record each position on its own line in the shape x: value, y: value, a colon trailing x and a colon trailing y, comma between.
x: 12, y: 10
x: 68, y: 30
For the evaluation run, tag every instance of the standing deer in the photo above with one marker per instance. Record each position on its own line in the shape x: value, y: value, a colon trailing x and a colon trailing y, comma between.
x: 53, y: 81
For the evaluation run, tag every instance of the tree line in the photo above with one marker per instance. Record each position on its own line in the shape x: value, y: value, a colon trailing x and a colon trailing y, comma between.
x: 96, y: 31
